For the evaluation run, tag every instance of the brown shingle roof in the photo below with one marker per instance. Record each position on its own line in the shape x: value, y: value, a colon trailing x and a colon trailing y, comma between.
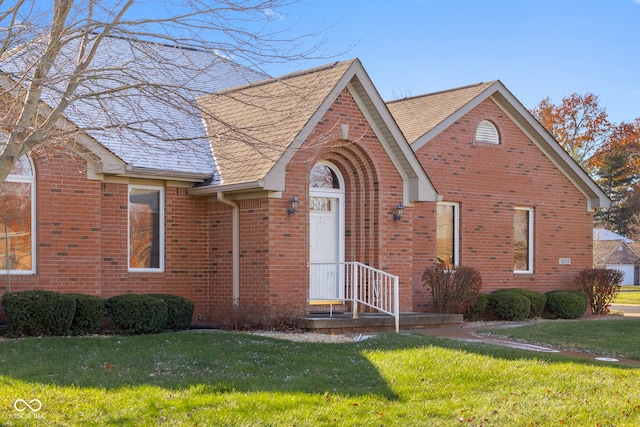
x: 417, y: 115
x: 252, y: 126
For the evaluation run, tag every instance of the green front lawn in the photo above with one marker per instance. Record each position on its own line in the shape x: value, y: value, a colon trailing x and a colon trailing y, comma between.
x: 229, y: 379
x: 628, y: 296
x: 614, y: 337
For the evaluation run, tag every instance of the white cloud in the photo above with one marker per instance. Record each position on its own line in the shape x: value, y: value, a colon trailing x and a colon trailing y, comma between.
x: 270, y: 13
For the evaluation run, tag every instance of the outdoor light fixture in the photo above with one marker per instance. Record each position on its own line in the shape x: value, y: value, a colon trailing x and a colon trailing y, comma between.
x: 293, y: 207
x: 397, y: 215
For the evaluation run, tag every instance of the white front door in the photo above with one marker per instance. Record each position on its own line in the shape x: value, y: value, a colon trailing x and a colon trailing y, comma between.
x: 324, y: 251
x: 326, y: 235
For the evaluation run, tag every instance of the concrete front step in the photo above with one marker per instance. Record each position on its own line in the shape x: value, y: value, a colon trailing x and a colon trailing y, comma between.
x: 373, y: 322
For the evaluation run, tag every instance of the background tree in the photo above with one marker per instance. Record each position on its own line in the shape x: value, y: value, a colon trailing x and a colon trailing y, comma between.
x: 48, y: 53
x: 610, y: 153
x: 616, y: 175
x: 617, y: 164
x: 579, y: 124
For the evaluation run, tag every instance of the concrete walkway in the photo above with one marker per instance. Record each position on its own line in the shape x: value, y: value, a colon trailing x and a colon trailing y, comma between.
x: 469, y: 332
x: 629, y: 310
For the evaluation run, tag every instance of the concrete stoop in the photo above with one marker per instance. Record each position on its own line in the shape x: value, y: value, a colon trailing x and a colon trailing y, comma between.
x: 374, y: 322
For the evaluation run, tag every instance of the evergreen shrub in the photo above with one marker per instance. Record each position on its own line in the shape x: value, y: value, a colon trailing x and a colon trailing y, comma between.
x: 38, y: 313
x: 179, y: 311
x: 509, y: 306
x: 567, y: 304
x: 89, y: 313
x: 538, y: 300
x: 133, y: 314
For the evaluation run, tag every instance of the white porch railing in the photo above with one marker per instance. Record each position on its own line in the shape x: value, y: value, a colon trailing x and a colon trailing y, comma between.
x: 358, y: 283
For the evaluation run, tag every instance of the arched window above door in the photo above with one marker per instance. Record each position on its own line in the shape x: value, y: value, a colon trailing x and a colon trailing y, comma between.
x: 323, y: 176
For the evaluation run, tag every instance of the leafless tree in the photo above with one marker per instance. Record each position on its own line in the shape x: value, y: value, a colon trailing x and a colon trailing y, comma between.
x: 63, y: 72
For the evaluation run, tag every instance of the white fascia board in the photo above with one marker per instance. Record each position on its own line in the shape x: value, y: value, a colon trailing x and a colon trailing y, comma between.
x: 210, y: 190
x: 165, y: 175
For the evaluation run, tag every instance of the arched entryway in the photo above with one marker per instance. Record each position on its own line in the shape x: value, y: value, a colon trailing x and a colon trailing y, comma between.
x: 326, y: 233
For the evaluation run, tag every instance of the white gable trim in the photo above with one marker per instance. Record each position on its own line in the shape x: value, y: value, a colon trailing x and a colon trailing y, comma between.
x: 416, y: 184
x: 446, y: 123
x: 525, y: 121
x: 596, y: 198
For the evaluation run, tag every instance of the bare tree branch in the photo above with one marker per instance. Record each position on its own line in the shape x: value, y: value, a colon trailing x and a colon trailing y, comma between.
x: 128, y: 73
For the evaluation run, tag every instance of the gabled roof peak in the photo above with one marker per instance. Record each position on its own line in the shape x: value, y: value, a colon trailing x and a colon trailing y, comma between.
x: 440, y: 92
x: 285, y: 77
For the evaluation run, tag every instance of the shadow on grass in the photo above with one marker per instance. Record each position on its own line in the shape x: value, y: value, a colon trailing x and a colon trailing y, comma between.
x: 220, y: 361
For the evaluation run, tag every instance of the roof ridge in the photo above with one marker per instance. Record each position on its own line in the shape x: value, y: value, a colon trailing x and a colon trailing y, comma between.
x: 424, y: 95
x: 137, y: 40
x: 292, y: 75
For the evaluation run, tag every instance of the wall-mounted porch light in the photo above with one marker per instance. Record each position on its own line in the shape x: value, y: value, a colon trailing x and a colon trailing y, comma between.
x: 397, y: 214
x: 293, y: 206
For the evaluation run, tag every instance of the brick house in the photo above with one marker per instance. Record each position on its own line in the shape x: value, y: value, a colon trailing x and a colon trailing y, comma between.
x: 514, y: 204
x: 314, y: 171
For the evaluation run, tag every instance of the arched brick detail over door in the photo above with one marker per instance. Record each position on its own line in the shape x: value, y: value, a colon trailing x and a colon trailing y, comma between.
x: 361, y: 200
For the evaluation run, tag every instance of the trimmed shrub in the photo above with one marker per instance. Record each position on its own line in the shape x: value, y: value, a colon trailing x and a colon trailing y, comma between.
x: 479, y: 309
x: 179, y: 311
x: 509, y: 305
x: 38, y: 313
x: 601, y: 285
x: 567, y: 304
x: 89, y: 313
x: 133, y: 314
x: 538, y: 300
x: 453, y: 291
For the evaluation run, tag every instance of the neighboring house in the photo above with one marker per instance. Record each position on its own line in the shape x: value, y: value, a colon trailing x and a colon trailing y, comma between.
x: 611, y: 250
x: 310, y: 175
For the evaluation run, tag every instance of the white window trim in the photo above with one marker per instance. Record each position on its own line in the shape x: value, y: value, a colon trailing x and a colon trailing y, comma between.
x: 31, y: 180
x: 531, y: 240
x: 160, y: 269
x: 456, y: 231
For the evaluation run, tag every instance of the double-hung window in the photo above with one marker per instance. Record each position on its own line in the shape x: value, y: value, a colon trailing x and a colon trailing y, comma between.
x: 448, y: 235
x: 146, y: 230
x: 523, y: 240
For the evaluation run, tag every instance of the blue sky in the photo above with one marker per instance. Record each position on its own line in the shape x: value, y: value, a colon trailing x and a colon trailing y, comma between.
x: 538, y: 49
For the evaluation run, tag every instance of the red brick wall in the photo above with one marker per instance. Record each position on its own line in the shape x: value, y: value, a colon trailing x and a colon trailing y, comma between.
x: 82, y: 224
x: 488, y: 181
x: 372, y: 189
x: 82, y: 232
x: 275, y: 245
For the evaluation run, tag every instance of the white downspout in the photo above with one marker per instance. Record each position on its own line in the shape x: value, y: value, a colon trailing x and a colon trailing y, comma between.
x: 235, y: 251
